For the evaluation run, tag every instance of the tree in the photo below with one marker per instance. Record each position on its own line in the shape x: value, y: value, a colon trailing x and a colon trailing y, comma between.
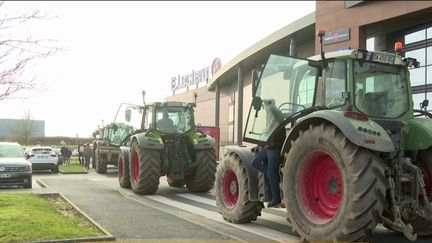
x: 24, y: 129
x: 19, y: 50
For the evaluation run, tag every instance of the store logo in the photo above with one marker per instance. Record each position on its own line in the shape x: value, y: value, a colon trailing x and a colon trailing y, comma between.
x: 216, y: 65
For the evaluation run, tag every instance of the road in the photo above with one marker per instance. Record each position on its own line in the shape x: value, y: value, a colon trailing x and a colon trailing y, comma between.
x: 173, y: 214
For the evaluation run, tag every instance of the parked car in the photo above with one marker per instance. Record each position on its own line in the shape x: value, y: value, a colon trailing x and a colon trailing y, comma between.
x: 14, y: 168
x: 43, y: 158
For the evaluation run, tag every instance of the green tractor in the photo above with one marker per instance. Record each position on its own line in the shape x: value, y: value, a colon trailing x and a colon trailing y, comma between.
x: 168, y: 144
x: 355, y: 152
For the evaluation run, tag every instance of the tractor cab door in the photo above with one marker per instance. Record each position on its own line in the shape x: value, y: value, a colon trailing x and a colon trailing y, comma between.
x: 286, y: 86
x: 127, y: 120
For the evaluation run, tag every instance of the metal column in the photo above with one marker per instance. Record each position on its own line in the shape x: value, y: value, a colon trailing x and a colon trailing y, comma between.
x: 240, y: 105
x: 217, y: 105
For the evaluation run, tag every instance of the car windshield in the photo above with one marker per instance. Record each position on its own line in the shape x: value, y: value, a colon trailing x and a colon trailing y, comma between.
x: 174, y: 119
x: 11, y: 151
x: 41, y: 151
x: 380, y: 90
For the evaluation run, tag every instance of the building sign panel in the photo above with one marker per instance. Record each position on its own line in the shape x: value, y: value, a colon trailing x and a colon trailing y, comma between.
x: 336, y: 36
x: 195, y: 77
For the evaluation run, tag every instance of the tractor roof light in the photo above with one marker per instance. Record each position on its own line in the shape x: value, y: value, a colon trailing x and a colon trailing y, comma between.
x: 398, y: 47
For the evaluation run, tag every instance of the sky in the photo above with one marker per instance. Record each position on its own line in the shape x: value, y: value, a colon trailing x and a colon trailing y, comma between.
x: 113, y: 50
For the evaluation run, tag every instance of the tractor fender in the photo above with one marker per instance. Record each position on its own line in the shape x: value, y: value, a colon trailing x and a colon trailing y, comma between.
x: 246, y: 155
x: 367, y: 134
x: 148, y: 142
x: 203, y: 141
x: 419, y: 135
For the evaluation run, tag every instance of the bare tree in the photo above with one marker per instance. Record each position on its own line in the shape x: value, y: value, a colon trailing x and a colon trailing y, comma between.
x: 18, y: 52
x: 24, y: 129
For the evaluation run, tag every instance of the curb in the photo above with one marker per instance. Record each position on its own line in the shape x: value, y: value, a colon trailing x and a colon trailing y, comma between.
x: 108, y: 236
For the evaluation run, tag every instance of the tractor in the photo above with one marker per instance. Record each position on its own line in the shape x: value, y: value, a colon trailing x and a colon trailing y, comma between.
x: 355, y: 153
x: 110, y: 137
x: 168, y: 144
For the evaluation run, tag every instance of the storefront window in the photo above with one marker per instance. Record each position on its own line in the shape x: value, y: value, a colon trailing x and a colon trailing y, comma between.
x: 414, y: 37
x: 419, y: 98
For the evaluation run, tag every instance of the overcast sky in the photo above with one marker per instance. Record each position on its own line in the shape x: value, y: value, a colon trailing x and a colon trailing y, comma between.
x: 114, y: 50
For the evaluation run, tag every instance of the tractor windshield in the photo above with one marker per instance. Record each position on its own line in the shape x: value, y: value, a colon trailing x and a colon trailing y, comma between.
x: 380, y: 90
x: 286, y: 86
x: 177, y: 119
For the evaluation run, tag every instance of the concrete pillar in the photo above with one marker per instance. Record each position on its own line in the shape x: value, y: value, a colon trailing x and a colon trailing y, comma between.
x: 240, y: 105
x: 217, y: 104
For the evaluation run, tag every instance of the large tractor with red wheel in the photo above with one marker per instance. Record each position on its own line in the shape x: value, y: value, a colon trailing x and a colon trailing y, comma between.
x: 355, y: 151
x: 168, y: 144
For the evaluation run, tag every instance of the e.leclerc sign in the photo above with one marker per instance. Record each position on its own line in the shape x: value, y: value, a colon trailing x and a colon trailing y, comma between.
x: 195, y: 77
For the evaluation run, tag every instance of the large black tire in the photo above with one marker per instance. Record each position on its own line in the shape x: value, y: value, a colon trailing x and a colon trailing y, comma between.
x: 123, y: 170
x: 101, y: 163
x: 232, y: 192
x: 333, y: 189
x: 175, y: 183
x: 145, y: 167
x: 203, y: 177
x: 420, y: 225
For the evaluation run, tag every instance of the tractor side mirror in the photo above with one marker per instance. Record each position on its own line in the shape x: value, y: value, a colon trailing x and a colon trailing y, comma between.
x: 128, y: 114
x: 257, y: 103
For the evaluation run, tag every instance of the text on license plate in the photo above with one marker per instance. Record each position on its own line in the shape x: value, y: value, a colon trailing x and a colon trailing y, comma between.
x: 382, y: 58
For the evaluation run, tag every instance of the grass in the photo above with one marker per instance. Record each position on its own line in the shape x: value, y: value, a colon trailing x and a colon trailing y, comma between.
x: 30, y: 217
x: 73, y: 167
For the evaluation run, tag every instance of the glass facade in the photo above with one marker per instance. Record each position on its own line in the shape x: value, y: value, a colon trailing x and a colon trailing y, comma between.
x: 418, y: 44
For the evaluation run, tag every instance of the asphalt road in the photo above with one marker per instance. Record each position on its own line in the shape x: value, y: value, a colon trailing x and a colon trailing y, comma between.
x: 173, y: 214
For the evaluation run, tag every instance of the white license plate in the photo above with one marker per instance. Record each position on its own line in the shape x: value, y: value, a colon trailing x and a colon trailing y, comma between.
x: 5, y: 175
x: 383, y: 58
x: 42, y: 157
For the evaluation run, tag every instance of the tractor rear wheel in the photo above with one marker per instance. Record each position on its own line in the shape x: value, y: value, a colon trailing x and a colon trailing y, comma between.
x: 123, y: 170
x: 422, y: 226
x: 333, y: 189
x: 101, y: 163
x: 175, y: 183
x: 203, y: 177
x: 145, y: 169
x: 232, y: 193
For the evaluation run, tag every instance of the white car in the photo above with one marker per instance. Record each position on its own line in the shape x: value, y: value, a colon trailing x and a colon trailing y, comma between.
x: 14, y: 168
x: 43, y: 158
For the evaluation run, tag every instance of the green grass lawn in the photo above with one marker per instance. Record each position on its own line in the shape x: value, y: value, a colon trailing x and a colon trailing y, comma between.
x: 30, y: 217
x: 73, y: 167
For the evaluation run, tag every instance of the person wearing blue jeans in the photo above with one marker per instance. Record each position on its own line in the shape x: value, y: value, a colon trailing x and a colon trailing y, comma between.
x: 267, y: 161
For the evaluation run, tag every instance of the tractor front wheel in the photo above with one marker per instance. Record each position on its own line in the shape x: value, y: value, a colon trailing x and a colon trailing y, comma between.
x: 333, y: 189
x: 175, y: 183
x: 232, y: 193
x: 203, y: 177
x: 145, y: 169
x: 123, y: 170
x: 420, y: 225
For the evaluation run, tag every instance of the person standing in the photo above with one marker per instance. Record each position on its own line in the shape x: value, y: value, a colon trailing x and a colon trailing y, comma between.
x: 80, y: 154
x: 267, y: 161
x: 87, y: 154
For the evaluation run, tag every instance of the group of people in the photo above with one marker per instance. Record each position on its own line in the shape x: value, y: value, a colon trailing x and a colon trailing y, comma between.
x: 85, y: 153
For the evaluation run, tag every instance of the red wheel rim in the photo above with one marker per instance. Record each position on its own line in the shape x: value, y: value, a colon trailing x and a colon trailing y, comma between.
x: 230, y: 188
x: 427, y: 177
x: 321, y: 187
x: 135, y: 166
x: 121, y: 169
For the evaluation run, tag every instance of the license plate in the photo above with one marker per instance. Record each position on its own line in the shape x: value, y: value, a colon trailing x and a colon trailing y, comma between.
x: 383, y: 58
x: 42, y: 157
x: 5, y: 175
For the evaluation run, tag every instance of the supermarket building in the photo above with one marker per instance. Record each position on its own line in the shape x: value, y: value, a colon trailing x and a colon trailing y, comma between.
x: 372, y: 25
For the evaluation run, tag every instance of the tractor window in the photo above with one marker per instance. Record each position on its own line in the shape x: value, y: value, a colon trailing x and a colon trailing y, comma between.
x: 380, y: 90
x: 334, y: 83
x: 174, y: 119
x: 148, y: 118
x: 286, y: 86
